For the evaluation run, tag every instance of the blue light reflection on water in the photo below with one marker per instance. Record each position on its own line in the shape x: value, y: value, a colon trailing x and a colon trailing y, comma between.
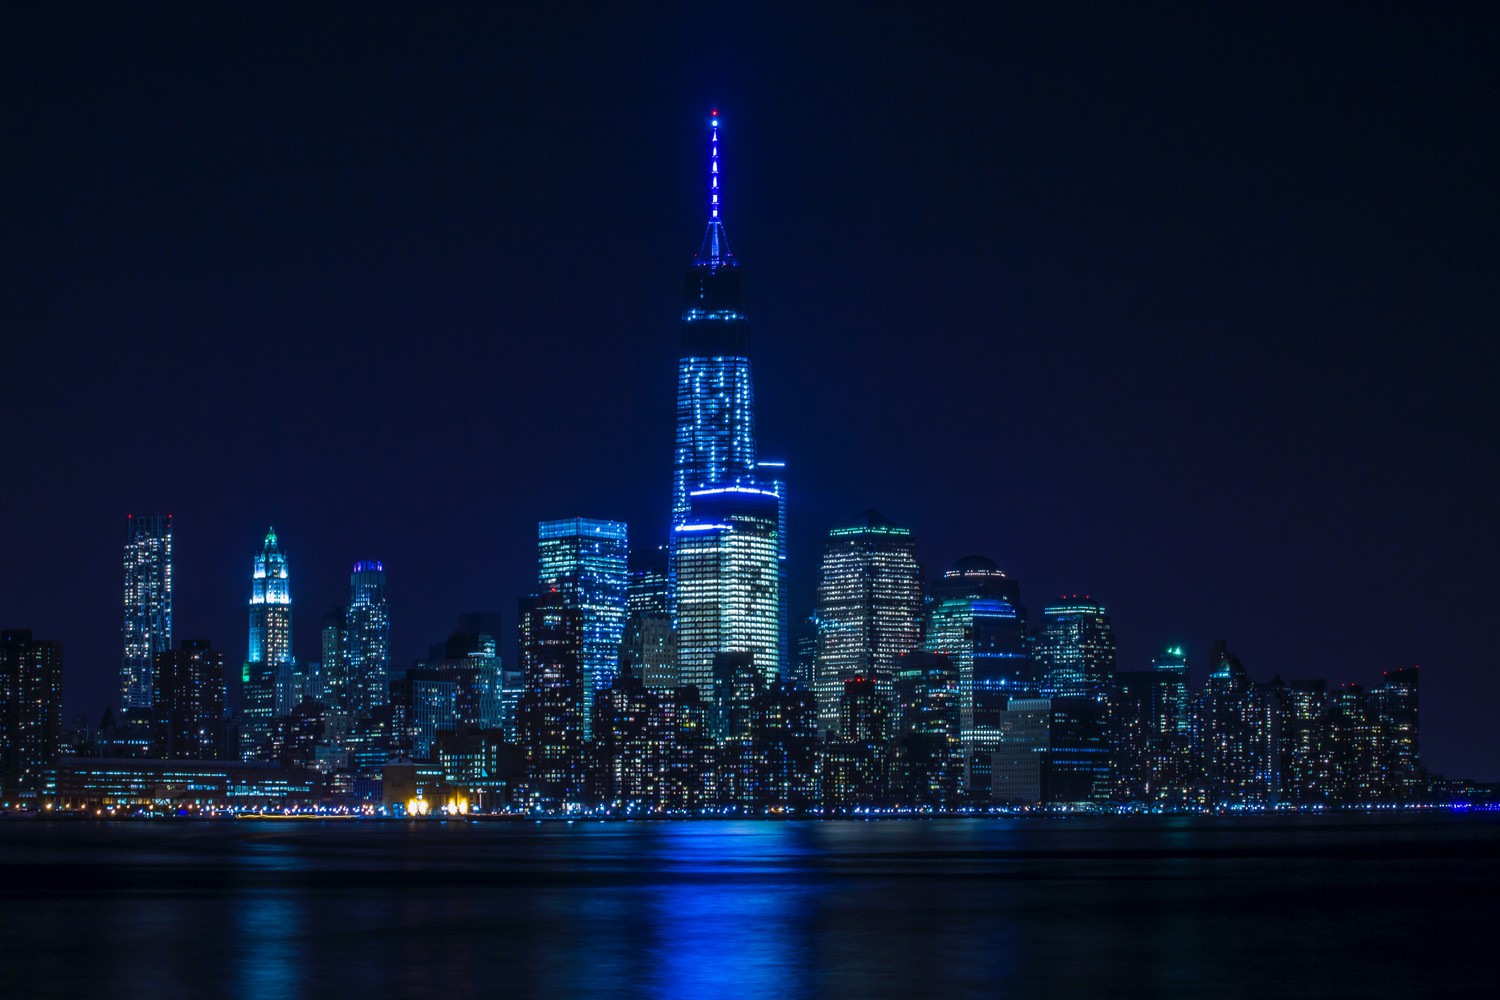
x: 1176, y: 908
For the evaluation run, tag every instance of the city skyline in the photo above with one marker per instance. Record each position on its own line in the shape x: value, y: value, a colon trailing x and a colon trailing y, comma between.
x: 1339, y: 567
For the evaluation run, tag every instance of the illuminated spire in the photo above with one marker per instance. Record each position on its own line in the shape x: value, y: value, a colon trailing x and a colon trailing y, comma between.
x: 715, y: 252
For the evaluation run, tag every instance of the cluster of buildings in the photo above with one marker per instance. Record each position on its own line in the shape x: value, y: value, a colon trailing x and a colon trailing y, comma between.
x: 668, y: 678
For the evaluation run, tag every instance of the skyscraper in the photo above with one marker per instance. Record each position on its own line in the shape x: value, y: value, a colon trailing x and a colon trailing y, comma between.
x: 268, y: 674
x: 367, y: 653
x: 189, y: 701
x: 728, y: 582
x: 337, y: 683
x: 550, y: 715
x: 869, y: 608
x: 270, y: 605
x: 976, y: 619
x: 30, y: 711
x: 148, y: 604
x: 1171, y: 666
x: 584, y: 560
x: 1075, y: 650
x: 715, y: 394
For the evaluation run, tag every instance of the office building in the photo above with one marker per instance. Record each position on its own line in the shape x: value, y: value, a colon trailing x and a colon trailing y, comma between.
x: 976, y: 620
x: 366, y: 659
x: 148, y: 604
x: 189, y: 701
x: 550, y: 714
x: 728, y: 582
x: 584, y: 561
x: 30, y: 717
x: 1075, y: 649
x: 869, y: 609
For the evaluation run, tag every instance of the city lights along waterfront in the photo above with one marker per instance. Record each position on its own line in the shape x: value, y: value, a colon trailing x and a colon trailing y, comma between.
x: 658, y: 673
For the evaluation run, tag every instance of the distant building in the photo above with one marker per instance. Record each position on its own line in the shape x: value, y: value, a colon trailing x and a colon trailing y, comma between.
x: 728, y: 582
x: 550, y: 715
x: 148, y: 604
x: 584, y: 561
x: 976, y: 620
x: 337, y: 685
x: 1053, y: 751
x: 460, y: 688
x: 30, y: 717
x: 189, y: 701
x: 869, y: 608
x: 1075, y: 649
x: 181, y: 785
x: 927, y: 765
x: 646, y: 589
x: 784, y: 744
x: 269, y: 680
x: 366, y: 660
x: 649, y: 652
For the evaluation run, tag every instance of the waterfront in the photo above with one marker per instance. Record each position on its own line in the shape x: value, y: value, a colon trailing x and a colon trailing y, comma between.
x: 1170, y: 906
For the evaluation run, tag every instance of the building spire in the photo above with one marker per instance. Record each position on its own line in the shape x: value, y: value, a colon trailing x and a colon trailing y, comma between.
x: 715, y: 252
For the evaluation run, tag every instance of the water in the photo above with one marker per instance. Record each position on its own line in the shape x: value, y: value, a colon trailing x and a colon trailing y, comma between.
x: 1162, y: 907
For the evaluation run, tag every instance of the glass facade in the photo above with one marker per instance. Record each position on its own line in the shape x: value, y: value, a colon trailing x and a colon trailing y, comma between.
x: 148, y: 604
x: 976, y: 621
x: 728, y: 582
x: 869, y: 608
x: 367, y: 654
x: 585, y: 562
x: 1076, y: 649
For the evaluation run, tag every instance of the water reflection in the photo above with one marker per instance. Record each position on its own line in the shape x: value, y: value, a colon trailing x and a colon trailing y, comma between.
x: 1172, y: 909
x: 731, y: 920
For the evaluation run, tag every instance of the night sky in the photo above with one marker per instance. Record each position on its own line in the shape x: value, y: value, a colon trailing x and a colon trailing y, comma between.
x: 1192, y: 311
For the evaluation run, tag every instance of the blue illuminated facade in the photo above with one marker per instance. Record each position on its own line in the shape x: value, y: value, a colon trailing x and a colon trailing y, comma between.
x: 268, y: 676
x: 729, y: 582
x: 977, y: 621
x: 270, y: 605
x: 368, y: 638
x: 586, y: 562
x: 715, y: 440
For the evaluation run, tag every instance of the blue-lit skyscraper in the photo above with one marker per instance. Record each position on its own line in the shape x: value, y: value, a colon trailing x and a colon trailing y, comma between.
x: 585, y: 561
x: 976, y: 620
x: 715, y: 393
x: 148, y: 604
x: 270, y: 605
x: 367, y: 651
x: 268, y: 674
x: 715, y: 441
x: 729, y: 582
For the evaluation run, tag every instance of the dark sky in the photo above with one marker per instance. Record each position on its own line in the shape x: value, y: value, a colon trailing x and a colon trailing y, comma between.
x: 1188, y: 309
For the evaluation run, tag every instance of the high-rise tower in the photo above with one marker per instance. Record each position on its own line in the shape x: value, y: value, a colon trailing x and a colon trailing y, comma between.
x: 728, y: 583
x: 584, y: 560
x: 267, y: 679
x: 148, y: 604
x: 715, y: 394
x: 270, y: 605
x: 869, y: 609
x: 367, y: 656
x: 30, y: 709
x: 1075, y: 651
